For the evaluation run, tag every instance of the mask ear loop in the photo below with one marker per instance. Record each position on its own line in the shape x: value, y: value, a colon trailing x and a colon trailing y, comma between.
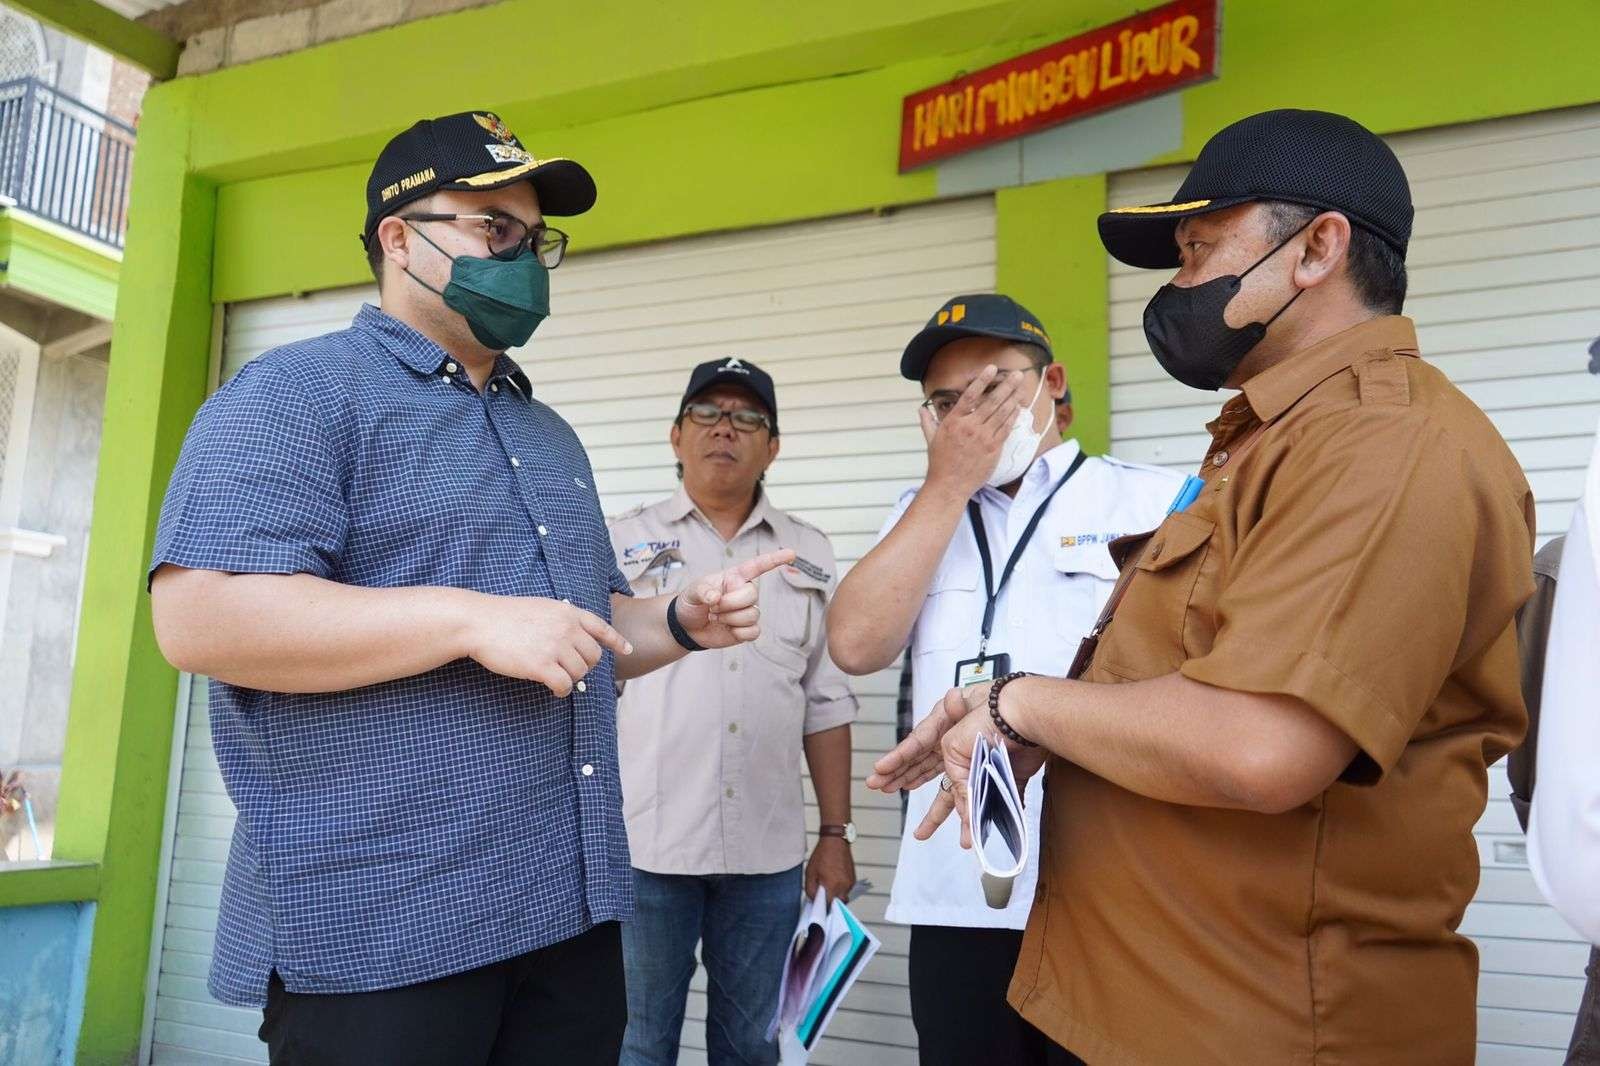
x: 1298, y: 292
x: 447, y: 255
x: 1029, y: 407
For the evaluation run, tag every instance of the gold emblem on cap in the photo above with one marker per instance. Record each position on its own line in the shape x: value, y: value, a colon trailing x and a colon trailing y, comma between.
x: 495, y: 177
x: 1160, y: 209
x: 497, y: 129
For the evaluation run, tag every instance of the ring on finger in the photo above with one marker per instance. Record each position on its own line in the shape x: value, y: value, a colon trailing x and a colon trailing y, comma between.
x: 945, y: 784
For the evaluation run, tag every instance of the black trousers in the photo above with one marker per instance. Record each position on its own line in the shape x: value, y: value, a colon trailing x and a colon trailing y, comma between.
x: 958, y: 1001
x: 564, y: 1005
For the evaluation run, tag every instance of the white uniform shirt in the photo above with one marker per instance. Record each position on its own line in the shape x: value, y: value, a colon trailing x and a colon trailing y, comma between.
x: 1054, y: 595
x: 1564, y: 829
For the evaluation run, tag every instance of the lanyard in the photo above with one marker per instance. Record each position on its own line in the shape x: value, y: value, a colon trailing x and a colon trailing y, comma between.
x: 991, y: 590
x: 1087, y: 646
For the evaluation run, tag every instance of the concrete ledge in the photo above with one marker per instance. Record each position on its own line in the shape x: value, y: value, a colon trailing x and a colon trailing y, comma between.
x: 25, y: 884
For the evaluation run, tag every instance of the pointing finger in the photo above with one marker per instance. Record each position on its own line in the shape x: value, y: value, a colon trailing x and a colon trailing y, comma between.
x: 761, y: 564
x: 601, y: 630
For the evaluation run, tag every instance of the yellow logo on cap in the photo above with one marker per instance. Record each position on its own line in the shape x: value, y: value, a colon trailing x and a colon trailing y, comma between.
x: 405, y: 184
x: 956, y: 313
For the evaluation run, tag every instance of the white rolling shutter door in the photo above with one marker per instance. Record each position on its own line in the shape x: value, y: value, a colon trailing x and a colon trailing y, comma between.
x: 1505, y: 290
x: 825, y: 307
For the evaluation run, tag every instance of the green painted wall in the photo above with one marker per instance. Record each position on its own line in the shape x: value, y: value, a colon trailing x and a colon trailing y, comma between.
x: 119, y: 731
x: 679, y: 151
x: 703, y: 117
x: 1044, y: 263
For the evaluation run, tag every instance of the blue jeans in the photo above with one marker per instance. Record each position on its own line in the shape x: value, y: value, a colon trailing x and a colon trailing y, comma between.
x: 744, y: 923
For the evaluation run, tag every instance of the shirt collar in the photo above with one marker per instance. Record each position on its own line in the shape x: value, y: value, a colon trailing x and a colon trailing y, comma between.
x: 680, y: 506
x: 1276, y: 389
x: 424, y: 355
x: 1057, y: 459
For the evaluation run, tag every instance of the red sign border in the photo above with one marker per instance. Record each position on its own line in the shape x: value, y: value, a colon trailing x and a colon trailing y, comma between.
x: 1027, y: 59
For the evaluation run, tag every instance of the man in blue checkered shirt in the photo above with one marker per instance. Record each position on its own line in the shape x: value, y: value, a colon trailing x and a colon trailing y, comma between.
x: 391, y: 560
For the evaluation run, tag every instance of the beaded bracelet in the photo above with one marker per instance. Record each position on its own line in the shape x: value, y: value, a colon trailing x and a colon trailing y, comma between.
x: 994, y: 709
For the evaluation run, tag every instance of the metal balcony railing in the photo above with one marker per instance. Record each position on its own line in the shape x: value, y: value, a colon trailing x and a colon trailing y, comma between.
x: 64, y: 161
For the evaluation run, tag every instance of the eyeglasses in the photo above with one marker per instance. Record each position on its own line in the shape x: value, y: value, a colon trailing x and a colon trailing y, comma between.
x: 943, y: 402
x: 743, y: 419
x: 506, y: 236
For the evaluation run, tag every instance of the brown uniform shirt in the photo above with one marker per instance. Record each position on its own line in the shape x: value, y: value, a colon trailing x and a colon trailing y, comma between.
x: 1367, y: 556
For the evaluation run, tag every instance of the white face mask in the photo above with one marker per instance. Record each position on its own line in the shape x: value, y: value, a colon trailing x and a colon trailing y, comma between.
x: 1016, y: 455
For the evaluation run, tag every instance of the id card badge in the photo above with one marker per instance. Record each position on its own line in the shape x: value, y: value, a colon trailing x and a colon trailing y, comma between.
x: 982, y: 670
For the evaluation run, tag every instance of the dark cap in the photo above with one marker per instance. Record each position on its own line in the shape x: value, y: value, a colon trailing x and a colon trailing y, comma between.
x: 474, y: 151
x: 733, y: 371
x: 979, y: 315
x: 1313, y: 158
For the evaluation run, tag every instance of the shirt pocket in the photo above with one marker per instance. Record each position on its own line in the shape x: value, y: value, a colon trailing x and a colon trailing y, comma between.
x: 1086, y: 575
x: 1149, y: 635
x: 952, y: 615
x: 792, y: 605
x: 662, y: 575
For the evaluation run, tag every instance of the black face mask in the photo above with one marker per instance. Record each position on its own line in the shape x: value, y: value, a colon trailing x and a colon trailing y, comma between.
x: 1189, y: 336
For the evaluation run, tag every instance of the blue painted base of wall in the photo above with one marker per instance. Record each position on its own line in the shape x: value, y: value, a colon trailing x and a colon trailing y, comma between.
x: 44, y: 953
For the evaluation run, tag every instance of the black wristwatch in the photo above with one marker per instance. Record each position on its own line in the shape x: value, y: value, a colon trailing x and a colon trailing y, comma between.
x: 680, y: 634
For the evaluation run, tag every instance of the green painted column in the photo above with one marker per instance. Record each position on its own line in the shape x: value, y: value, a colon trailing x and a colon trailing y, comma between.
x: 119, y: 733
x: 1049, y: 258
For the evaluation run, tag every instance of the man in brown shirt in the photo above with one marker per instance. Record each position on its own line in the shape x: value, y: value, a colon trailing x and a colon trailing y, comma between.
x: 1257, y: 840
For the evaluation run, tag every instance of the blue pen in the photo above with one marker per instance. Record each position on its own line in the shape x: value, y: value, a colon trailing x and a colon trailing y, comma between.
x: 1187, y: 494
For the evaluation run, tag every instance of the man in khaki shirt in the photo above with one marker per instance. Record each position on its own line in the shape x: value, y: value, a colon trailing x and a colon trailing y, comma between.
x: 1257, y: 841
x: 711, y: 745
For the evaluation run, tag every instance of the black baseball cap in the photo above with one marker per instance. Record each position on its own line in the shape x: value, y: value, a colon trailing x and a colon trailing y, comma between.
x: 733, y: 371
x: 979, y: 315
x: 1313, y: 158
x: 472, y: 150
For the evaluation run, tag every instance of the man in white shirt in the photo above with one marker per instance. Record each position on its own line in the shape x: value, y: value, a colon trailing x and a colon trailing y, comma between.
x: 1564, y: 828
x: 990, y: 385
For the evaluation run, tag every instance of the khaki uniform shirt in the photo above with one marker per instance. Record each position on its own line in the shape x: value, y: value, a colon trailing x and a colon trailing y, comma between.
x: 1367, y: 556
x: 711, y: 745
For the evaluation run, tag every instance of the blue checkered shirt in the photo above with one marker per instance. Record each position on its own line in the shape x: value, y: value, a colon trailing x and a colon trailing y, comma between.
x: 417, y: 828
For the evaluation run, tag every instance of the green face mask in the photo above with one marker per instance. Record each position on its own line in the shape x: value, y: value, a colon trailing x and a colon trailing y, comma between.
x: 503, y: 300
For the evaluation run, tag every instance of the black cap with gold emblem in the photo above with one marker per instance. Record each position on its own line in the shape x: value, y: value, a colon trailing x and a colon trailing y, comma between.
x: 1315, y: 158
x: 471, y: 150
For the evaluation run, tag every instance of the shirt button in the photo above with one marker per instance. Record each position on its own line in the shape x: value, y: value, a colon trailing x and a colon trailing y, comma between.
x: 446, y: 378
x: 544, y: 531
x: 1220, y: 459
x: 728, y: 793
x: 733, y: 727
x: 588, y: 771
x: 583, y: 686
x: 734, y: 666
x: 515, y: 461
x: 451, y: 367
x: 566, y: 601
x: 494, y: 387
x: 728, y: 551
